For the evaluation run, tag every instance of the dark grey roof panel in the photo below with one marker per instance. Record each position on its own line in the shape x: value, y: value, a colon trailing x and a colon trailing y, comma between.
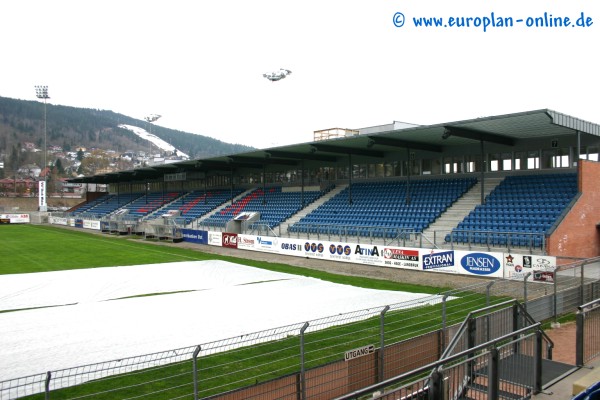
x: 574, y: 123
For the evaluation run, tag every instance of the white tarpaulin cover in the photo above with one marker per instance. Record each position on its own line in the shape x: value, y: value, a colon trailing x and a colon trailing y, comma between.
x: 87, y: 318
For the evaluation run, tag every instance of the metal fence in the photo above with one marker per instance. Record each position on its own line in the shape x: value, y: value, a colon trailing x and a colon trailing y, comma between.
x: 375, y: 234
x: 588, y: 332
x: 307, y: 360
x: 472, y: 373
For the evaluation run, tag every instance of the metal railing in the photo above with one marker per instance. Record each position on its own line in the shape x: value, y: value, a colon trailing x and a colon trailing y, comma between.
x: 588, y: 332
x: 471, y: 370
x: 374, y: 234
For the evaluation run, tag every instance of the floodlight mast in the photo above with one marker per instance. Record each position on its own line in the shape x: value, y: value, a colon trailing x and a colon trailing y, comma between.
x: 151, y: 119
x: 41, y: 92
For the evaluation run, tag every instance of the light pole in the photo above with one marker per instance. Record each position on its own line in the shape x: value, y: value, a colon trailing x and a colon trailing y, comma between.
x: 41, y: 92
x: 151, y: 119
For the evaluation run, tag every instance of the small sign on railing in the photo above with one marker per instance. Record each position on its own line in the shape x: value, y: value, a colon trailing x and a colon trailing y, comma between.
x: 361, y: 351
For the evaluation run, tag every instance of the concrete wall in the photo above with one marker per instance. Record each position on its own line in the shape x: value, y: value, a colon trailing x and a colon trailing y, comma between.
x: 578, y: 235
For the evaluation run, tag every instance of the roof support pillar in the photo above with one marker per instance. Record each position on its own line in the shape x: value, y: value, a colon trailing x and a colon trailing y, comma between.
x: 264, y: 180
x: 231, y: 187
x: 483, y: 166
x: 578, y: 154
x: 408, y: 172
x: 302, y: 182
x: 349, y: 178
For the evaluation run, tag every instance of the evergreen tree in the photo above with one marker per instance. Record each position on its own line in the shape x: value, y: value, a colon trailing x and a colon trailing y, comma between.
x: 59, y: 167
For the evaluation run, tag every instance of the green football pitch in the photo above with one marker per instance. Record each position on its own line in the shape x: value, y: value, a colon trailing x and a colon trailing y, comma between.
x: 42, y: 248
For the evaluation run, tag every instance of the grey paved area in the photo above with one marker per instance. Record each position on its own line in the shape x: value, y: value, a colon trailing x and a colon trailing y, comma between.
x: 563, y: 389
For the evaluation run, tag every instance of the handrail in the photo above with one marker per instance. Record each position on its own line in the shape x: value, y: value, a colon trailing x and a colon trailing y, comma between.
x: 442, y: 361
x: 531, y: 320
x: 587, y: 306
x: 464, y: 325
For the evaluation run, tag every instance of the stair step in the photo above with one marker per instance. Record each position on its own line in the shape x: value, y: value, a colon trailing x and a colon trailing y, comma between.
x: 477, y: 387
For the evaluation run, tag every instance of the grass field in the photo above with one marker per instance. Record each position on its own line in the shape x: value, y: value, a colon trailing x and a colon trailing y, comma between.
x: 41, y: 248
x: 31, y: 248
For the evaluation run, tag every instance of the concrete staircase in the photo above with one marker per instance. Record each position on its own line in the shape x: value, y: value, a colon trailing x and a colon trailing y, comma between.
x: 313, y: 206
x: 459, y: 210
x: 221, y: 207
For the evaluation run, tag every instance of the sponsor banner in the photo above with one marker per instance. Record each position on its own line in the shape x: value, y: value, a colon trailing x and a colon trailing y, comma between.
x: 445, y: 261
x: 486, y: 264
x: 195, y: 236
x: 215, y: 239
x: 42, y: 194
x: 439, y: 261
x: 261, y: 243
x: 14, y: 218
x: 229, y: 240
x: 246, y: 242
x: 267, y: 243
x: 339, y: 251
x: 57, y: 221
x: 401, y: 257
x: 463, y: 262
x: 78, y: 223
x: 89, y: 224
x: 71, y: 222
x: 291, y: 247
x: 343, y: 251
x: 517, y: 266
x: 314, y: 249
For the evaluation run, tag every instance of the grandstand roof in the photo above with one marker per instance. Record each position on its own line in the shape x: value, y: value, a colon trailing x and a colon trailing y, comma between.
x: 508, y: 130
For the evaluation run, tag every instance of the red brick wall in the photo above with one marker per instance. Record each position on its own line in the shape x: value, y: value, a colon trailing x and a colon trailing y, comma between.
x: 577, y: 235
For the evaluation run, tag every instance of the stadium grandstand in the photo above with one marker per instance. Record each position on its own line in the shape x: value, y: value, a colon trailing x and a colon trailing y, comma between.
x: 494, y: 182
x: 513, y: 198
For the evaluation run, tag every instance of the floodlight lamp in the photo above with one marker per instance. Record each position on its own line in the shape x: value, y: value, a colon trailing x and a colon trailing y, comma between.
x: 41, y: 92
x: 152, y: 118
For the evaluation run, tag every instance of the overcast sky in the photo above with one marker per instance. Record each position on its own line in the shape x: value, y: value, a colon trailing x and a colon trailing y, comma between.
x: 200, y: 63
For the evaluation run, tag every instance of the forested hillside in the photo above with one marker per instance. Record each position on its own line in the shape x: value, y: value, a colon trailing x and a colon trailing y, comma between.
x: 70, y: 127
